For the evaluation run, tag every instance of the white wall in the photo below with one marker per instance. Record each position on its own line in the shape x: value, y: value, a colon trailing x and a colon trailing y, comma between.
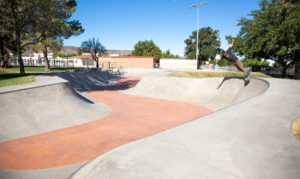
x: 182, y: 64
x: 78, y: 62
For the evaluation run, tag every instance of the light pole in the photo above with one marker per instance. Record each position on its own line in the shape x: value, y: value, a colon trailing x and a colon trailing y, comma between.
x: 197, y: 6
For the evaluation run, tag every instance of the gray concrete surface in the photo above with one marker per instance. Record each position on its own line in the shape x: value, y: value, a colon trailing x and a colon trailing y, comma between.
x: 248, y: 136
x: 144, y: 71
x: 46, y: 107
x: 251, y: 139
x: 50, y: 173
x: 53, y: 101
x: 213, y: 93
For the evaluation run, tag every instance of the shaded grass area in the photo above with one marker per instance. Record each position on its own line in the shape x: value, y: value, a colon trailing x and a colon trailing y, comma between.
x: 11, y: 79
x: 42, y: 69
x: 296, y: 128
x: 216, y: 74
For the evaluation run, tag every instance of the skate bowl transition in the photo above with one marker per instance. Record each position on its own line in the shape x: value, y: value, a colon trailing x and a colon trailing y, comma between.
x: 200, y: 128
x: 212, y: 93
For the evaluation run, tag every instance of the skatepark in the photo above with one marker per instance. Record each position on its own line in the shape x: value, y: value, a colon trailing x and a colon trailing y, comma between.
x: 144, y: 124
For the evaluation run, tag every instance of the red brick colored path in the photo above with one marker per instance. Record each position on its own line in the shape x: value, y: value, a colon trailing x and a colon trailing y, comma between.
x: 131, y: 118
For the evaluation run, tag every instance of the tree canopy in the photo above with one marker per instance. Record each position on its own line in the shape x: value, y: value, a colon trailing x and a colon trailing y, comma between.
x: 272, y: 32
x: 209, y: 45
x: 168, y: 54
x: 146, y: 48
x: 56, y: 26
x: 28, y: 22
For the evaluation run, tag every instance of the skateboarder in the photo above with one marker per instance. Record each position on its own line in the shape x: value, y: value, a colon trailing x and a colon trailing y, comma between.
x: 228, y: 55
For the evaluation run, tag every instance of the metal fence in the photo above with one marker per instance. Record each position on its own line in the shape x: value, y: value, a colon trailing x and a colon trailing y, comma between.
x: 40, y: 62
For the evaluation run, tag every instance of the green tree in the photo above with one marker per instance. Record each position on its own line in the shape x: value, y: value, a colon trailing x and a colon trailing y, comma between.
x: 255, y: 62
x: 168, y: 54
x: 54, y: 45
x: 94, y: 47
x: 33, y: 21
x: 146, y: 48
x: 208, y: 45
x: 224, y: 62
x: 18, y: 18
x: 272, y: 32
x: 56, y: 26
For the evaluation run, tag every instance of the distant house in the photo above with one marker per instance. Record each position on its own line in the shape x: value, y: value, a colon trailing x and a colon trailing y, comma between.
x: 87, y: 61
x: 36, y: 59
x: 114, y: 55
x: 128, y: 62
x: 76, y: 61
x: 82, y: 61
x: 86, y: 53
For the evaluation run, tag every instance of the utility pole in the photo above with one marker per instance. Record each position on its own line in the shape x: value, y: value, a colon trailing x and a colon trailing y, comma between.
x: 197, y: 43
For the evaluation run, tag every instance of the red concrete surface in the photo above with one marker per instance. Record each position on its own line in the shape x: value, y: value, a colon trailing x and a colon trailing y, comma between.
x: 131, y: 118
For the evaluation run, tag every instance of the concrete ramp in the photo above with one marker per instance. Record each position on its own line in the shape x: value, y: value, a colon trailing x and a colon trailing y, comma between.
x: 249, y: 140
x: 39, y: 108
x: 212, y: 93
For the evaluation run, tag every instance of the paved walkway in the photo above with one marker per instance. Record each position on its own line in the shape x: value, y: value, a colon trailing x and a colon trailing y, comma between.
x: 131, y: 118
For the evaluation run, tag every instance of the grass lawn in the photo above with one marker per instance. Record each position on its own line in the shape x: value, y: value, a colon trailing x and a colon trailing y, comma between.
x: 215, y: 74
x: 41, y: 69
x: 296, y: 128
x: 11, y: 79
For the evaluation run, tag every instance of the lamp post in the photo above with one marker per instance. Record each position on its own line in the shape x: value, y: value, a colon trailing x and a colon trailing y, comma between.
x: 197, y: 6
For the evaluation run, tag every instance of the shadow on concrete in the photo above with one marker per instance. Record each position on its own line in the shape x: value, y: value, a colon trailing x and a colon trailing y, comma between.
x: 228, y: 78
x: 84, y: 80
x: 76, y: 94
x: 122, y: 85
x: 88, y: 80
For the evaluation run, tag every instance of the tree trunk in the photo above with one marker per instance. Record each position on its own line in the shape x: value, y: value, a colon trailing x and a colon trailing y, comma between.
x: 5, y: 63
x: 22, y: 69
x: 3, y: 53
x: 97, y: 62
x: 297, y: 70
x: 19, y: 52
x: 47, y: 66
x: 284, y: 69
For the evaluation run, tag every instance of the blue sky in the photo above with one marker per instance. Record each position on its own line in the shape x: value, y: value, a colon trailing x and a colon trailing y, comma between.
x: 119, y: 24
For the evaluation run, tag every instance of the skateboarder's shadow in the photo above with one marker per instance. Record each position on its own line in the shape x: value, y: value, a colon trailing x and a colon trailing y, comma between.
x: 228, y: 78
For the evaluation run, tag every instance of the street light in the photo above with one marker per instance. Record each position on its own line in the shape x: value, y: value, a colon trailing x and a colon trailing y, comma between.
x: 197, y: 6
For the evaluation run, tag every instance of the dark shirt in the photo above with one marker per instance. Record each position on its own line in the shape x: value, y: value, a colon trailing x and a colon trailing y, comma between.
x: 229, y: 56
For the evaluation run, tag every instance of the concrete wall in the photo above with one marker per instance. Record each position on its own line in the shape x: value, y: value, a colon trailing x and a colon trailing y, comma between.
x: 184, y: 64
x: 187, y: 64
x: 127, y: 62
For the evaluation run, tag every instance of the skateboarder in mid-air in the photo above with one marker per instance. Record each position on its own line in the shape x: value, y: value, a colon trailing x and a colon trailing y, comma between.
x: 228, y: 55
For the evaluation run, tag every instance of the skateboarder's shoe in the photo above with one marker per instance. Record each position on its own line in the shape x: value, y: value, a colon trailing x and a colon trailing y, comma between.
x: 247, y: 77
